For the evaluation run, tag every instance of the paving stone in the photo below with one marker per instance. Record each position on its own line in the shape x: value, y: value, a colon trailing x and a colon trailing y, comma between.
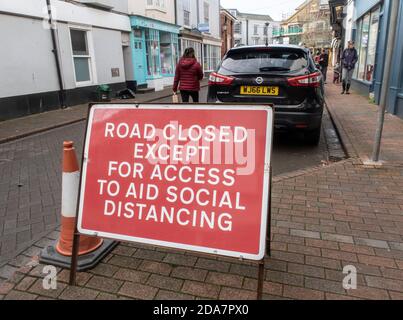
x: 163, y: 282
x: 372, y: 243
x: 305, y: 234
x: 225, y: 279
x: 201, y: 289
x: 104, y: 284
x: 39, y: 289
x: 138, y: 291
x: 179, y: 259
x: 156, y: 267
x: 169, y: 295
x: 189, y: 273
x: 20, y: 295
x: 78, y: 293
x: 132, y: 275
x: 210, y: 264
x: 302, y: 293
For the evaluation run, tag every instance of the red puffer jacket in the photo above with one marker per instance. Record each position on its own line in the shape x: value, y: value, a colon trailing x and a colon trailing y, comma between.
x: 188, y: 75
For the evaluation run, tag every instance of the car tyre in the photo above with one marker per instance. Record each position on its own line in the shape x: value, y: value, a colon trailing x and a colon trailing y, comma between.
x: 313, y: 137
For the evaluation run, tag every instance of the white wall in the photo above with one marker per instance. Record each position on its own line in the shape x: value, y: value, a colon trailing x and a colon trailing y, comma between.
x: 214, y: 6
x: 108, y: 54
x: 117, y: 5
x: 193, y: 12
x: 349, y: 21
x: 139, y: 7
x: 27, y: 63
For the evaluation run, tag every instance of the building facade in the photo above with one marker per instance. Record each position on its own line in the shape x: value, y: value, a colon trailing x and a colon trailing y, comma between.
x: 367, y: 22
x: 200, y: 29
x: 227, y: 21
x: 89, y: 49
x: 154, y: 42
x: 251, y: 29
x: 308, y: 25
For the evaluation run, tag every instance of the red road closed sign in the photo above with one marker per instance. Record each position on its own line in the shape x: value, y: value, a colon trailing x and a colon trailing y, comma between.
x: 193, y: 177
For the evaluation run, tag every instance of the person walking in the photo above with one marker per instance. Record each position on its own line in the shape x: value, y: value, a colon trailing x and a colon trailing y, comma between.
x: 324, y: 63
x: 349, y: 60
x: 188, y: 75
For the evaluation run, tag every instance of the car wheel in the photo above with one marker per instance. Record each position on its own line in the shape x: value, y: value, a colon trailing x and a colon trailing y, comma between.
x: 313, y: 137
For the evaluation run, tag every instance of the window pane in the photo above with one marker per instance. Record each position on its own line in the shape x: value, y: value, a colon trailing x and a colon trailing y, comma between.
x: 166, y: 53
x: 358, y: 48
x: 272, y: 60
x: 373, y: 38
x: 364, y: 47
x: 152, y: 52
x: 82, y: 67
x: 79, y: 42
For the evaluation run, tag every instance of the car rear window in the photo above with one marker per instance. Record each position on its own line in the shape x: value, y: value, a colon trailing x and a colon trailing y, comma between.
x: 265, y: 61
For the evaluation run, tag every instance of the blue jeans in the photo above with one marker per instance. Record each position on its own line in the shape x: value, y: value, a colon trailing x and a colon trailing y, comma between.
x: 347, y: 75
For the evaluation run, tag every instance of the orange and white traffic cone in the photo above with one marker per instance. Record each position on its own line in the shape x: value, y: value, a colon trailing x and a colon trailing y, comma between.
x: 70, y: 185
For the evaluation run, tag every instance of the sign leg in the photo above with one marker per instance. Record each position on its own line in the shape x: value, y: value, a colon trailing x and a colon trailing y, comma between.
x: 260, y: 280
x: 74, y: 258
x: 268, y: 234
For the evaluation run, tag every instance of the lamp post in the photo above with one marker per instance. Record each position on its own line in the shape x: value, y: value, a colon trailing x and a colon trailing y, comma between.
x: 267, y: 33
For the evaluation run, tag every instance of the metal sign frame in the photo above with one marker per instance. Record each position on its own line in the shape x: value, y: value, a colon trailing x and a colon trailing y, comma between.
x: 265, y: 226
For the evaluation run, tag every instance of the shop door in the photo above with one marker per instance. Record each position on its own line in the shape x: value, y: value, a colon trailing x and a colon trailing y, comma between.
x: 139, y: 57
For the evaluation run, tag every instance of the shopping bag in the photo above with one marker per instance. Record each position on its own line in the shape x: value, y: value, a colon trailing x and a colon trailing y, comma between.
x: 175, y: 98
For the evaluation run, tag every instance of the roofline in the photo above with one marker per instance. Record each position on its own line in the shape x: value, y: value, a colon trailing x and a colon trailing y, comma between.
x: 251, y: 14
x: 228, y: 13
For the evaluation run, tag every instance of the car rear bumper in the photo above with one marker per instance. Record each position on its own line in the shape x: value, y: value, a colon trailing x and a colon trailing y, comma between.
x: 289, y: 121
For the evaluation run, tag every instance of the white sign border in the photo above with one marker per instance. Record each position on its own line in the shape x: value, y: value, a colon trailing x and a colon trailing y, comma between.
x: 174, y: 245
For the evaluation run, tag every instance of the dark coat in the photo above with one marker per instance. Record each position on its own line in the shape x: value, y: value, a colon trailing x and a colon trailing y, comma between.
x: 188, y: 75
x: 349, y: 58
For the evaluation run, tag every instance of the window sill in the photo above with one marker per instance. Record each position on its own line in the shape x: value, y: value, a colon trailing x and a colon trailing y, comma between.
x: 368, y: 83
x: 85, y: 84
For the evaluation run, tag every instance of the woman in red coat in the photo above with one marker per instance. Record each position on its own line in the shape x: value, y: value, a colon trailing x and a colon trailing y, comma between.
x: 187, y: 76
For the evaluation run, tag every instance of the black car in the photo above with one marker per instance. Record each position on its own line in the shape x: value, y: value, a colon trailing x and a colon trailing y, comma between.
x: 284, y: 75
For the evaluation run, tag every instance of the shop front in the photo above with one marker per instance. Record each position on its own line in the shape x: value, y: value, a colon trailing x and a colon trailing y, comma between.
x: 191, y: 39
x: 369, y: 29
x: 211, y: 54
x: 155, y: 52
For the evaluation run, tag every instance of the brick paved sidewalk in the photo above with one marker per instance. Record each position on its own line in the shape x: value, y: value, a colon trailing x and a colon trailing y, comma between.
x: 323, y: 219
x: 356, y: 119
x: 343, y: 214
x: 21, y: 127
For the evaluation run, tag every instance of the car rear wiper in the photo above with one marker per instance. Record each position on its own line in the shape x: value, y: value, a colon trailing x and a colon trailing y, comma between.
x: 265, y: 69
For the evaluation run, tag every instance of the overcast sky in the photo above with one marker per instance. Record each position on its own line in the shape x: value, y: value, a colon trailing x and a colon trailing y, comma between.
x: 274, y: 8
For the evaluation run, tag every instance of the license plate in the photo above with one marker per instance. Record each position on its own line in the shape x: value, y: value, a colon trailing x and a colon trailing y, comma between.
x: 259, y: 91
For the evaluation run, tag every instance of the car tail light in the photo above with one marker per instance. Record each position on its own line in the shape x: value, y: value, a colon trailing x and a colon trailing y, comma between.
x: 311, y: 80
x: 216, y: 78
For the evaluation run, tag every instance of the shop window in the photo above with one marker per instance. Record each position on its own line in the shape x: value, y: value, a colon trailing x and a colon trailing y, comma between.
x: 211, y: 57
x: 81, y: 56
x: 363, y: 46
x: 191, y: 44
x: 373, y: 40
x: 169, y: 53
x: 152, y: 53
x: 368, y: 29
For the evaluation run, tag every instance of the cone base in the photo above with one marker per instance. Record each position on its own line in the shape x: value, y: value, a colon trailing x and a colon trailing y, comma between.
x: 50, y: 256
x: 94, y: 244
